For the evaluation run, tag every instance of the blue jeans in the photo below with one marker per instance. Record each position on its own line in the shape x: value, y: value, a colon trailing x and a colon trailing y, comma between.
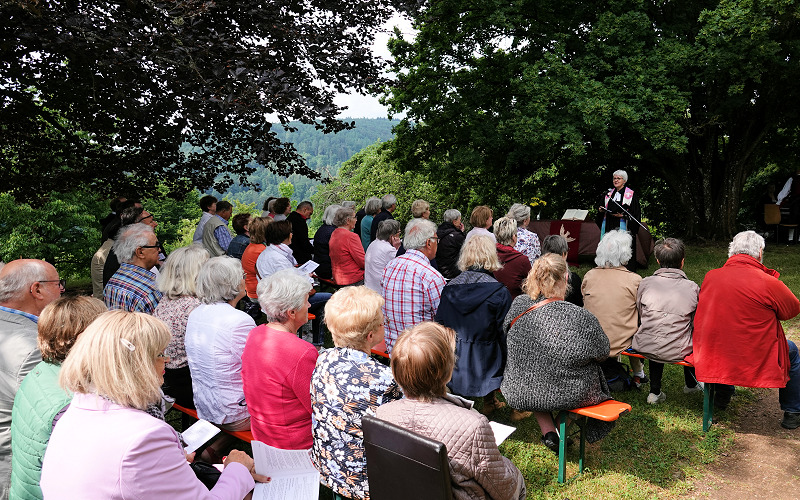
x: 318, y: 301
x: 789, y: 396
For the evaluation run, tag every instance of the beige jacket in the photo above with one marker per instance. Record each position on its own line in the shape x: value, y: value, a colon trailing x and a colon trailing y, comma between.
x: 477, y: 469
x: 610, y: 294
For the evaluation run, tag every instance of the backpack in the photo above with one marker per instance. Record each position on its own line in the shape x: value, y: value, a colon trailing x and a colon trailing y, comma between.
x: 617, y: 376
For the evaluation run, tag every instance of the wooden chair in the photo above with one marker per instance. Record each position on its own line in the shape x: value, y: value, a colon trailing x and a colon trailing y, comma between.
x: 402, y: 465
x: 608, y: 411
x: 772, y: 217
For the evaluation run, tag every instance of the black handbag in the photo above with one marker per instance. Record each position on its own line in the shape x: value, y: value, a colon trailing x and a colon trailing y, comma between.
x: 206, y: 473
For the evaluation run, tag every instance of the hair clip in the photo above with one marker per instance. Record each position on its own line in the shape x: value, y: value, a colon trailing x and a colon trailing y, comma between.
x: 127, y: 343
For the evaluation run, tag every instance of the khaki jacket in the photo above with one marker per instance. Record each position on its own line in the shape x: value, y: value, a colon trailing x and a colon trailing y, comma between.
x: 610, y: 294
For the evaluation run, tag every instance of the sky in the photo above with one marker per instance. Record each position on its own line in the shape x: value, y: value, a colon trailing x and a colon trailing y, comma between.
x: 365, y: 106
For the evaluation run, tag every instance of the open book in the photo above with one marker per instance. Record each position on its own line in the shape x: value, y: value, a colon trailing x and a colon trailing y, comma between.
x: 575, y: 214
x: 293, y: 475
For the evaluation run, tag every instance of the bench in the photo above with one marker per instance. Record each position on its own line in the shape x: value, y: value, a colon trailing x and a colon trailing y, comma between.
x: 380, y: 350
x: 607, y: 411
x: 245, y: 436
x: 708, y: 391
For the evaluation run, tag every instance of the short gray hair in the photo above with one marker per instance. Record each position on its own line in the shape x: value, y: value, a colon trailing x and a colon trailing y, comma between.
x: 555, y: 243
x: 129, y: 239
x: 418, y: 232
x: 614, y: 249
x: 342, y: 216
x: 348, y: 204
x: 219, y: 279
x: 621, y: 173
x: 519, y: 213
x: 451, y: 215
x: 330, y: 213
x: 386, y: 228
x: 747, y: 242
x: 505, y: 228
x: 281, y: 292
x: 373, y: 206
x: 15, y: 284
x: 388, y: 200
x: 178, y: 276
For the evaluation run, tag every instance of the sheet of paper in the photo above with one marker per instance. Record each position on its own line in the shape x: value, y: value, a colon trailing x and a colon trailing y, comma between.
x: 308, y: 267
x: 501, y: 431
x: 294, y: 476
x: 197, y: 434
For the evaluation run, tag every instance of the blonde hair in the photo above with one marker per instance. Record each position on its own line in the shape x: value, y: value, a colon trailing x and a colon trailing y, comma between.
x: 351, y: 313
x: 258, y: 229
x: 62, y: 321
x: 479, y: 252
x: 418, y: 208
x: 423, y: 360
x: 115, y: 357
x: 505, y: 228
x: 178, y: 275
x: 480, y: 216
x: 547, y: 278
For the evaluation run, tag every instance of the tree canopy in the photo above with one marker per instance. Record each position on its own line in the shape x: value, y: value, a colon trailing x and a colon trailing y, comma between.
x: 694, y: 95
x: 112, y: 95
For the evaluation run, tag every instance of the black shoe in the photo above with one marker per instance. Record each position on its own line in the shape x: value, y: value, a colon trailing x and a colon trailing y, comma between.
x: 551, y: 441
x: 790, y: 420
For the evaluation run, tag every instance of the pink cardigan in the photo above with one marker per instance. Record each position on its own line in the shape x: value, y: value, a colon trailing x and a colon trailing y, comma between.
x: 347, y: 257
x: 102, y: 450
x: 276, y: 371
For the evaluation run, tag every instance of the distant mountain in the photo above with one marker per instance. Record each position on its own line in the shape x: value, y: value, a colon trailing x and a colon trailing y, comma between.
x: 324, y: 153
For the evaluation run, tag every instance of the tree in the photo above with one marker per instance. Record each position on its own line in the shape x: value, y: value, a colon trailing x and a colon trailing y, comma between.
x: 695, y: 95
x: 113, y: 96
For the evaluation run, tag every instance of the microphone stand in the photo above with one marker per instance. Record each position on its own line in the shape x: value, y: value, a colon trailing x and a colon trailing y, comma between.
x: 626, y: 213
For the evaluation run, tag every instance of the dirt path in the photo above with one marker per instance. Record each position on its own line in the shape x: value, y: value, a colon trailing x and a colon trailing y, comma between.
x: 764, y: 461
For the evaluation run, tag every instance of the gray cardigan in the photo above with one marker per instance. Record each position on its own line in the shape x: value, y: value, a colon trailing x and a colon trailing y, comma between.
x: 553, y: 359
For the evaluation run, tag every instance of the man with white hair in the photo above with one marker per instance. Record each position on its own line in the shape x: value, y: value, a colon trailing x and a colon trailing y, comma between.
x: 26, y: 287
x: 738, y: 338
x: 388, y: 206
x: 412, y: 288
x: 133, y: 287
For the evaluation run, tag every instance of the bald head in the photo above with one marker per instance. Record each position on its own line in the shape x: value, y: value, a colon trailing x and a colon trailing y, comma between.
x: 28, y: 285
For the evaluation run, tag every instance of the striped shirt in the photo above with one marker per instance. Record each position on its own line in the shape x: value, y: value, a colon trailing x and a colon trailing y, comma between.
x: 132, y: 288
x: 412, y: 289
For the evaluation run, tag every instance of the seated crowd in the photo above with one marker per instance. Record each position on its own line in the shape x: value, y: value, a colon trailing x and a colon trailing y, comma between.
x: 492, y: 314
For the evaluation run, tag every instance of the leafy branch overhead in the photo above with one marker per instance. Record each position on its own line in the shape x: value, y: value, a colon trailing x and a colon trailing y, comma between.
x: 112, y: 96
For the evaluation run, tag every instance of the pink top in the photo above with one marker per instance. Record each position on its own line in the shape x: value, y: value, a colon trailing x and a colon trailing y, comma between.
x: 347, y: 257
x: 276, y: 371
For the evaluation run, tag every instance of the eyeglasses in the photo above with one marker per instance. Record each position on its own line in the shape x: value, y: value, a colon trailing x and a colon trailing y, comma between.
x: 62, y: 283
x: 157, y: 245
x: 434, y: 238
x: 145, y: 218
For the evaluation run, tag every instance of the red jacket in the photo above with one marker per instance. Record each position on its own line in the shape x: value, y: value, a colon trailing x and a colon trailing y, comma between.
x: 347, y: 257
x: 516, y: 267
x: 738, y: 338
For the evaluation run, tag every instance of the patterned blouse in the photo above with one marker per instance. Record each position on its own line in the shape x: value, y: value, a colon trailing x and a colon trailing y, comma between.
x: 175, y: 313
x: 346, y: 384
x: 528, y: 244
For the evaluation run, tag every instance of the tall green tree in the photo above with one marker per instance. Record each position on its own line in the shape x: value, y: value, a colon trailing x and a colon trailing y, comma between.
x: 691, y: 94
x: 109, y: 95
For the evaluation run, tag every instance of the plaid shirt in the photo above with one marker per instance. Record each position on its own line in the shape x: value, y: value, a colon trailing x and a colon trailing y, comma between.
x: 132, y: 288
x: 412, y: 289
x: 223, y: 235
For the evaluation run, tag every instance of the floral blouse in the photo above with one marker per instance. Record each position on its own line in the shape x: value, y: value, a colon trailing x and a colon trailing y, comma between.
x: 528, y: 244
x: 175, y: 313
x: 346, y: 384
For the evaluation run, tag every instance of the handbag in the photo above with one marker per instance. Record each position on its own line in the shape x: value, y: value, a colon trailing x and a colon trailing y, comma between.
x: 206, y: 473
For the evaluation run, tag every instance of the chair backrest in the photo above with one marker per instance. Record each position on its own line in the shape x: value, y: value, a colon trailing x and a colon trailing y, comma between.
x: 772, y: 214
x: 403, y: 465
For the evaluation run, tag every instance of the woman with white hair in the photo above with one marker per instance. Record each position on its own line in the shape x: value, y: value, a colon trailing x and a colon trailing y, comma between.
x: 346, y: 252
x: 527, y: 241
x: 474, y: 304
x: 277, y: 365
x: 619, y: 209
x: 177, y: 281
x: 106, y: 445
x: 215, y: 336
x: 380, y: 252
x: 609, y: 292
x: 322, y: 239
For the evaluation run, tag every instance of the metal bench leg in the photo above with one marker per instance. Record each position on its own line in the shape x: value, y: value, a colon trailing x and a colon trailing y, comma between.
x: 583, y: 444
x: 562, y: 446
x: 708, y: 405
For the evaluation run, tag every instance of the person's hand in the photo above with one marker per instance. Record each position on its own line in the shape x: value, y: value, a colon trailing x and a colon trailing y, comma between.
x: 602, y: 209
x: 244, y: 459
x: 190, y: 457
x: 618, y: 215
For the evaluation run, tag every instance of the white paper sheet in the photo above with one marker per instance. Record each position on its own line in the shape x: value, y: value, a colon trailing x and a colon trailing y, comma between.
x: 308, y: 267
x: 293, y: 475
x: 501, y: 431
x: 199, y: 433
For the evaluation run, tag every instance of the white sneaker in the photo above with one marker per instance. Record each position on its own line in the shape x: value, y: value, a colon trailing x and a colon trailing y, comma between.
x: 654, y: 399
x: 697, y: 388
